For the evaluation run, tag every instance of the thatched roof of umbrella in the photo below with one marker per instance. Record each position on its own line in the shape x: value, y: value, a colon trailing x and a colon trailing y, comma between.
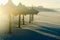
x: 33, y: 11
x: 10, y: 8
x: 22, y: 9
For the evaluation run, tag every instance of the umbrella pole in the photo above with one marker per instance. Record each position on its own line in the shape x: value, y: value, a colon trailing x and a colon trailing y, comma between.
x: 19, y: 21
x: 30, y: 18
x: 23, y: 20
x: 10, y: 31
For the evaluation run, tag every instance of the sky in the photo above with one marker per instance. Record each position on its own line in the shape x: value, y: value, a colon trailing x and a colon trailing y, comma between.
x: 44, y: 3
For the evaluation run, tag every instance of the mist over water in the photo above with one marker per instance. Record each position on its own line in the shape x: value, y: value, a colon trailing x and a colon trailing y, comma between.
x: 50, y: 17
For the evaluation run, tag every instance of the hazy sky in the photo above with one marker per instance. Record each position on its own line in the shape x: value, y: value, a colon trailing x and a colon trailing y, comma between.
x: 45, y: 3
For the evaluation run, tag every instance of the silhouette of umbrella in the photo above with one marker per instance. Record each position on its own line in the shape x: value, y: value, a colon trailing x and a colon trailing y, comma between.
x: 22, y: 11
x: 32, y: 12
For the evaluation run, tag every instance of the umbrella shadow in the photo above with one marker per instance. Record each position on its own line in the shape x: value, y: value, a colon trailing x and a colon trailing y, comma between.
x: 26, y: 34
x: 52, y: 29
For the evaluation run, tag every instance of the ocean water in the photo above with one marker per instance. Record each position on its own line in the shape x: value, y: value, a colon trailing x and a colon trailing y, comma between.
x: 49, y: 17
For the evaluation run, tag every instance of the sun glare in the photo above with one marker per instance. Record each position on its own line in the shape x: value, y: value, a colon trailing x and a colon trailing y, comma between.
x: 16, y: 2
x: 3, y: 2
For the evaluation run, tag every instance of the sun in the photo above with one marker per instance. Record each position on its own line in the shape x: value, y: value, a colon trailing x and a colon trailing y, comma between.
x: 16, y: 2
x: 3, y: 2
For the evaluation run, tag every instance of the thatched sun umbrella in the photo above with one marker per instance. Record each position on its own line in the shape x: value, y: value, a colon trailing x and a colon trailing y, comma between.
x: 32, y: 12
x: 10, y: 9
x: 22, y: 11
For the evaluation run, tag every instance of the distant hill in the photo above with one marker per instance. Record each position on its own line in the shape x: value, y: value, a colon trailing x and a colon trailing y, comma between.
x: 45, y: 9
x: 42, y: 9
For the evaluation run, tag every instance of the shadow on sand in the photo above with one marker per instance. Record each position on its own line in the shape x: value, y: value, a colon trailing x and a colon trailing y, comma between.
x: 55, y: 31
x: 49, y: 28
x: 25, y: 34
